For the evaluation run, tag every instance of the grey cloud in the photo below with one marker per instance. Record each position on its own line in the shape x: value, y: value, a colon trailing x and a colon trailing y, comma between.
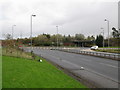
x: 72, y: 17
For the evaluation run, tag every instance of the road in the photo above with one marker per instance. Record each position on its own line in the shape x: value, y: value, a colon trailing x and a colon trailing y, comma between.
x: 101, y: 72
x: 114, y: 56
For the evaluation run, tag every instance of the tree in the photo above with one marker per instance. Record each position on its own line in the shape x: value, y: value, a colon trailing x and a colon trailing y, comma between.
x: 41, y: 40
x: 26, y: 41
x: 67, y: 39
x: 115, y: 33
x: 91, y: 38
x: 8, y: 36
x: 99, y: 40
x: 79, y: 37
x: 116, y: 37
x: 47, y: 35
x: 54, y: 38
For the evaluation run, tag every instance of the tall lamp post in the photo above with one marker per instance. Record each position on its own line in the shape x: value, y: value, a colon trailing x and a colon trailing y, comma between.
x: 57, y: 36
x: 103, y: 36
x: 31, y: 29
x: 108, y: 29
x: 13, y: 30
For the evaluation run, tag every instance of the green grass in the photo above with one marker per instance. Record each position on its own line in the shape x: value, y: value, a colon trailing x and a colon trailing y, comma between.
x: 0, y: 67
x: 15, y: 52
x: 0, y: 71
x: 25, y: 73
x: 109, y: 50
x: 110, y: 47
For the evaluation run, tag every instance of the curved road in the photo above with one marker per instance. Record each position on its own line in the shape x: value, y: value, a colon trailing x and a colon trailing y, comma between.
x: 101, y: 72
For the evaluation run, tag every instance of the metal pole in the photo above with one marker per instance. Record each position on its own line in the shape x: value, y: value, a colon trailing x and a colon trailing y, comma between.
x: 108, y: 30
x: 108, y: 33
x: 31, y: 32
x: 103, y: 39
x: 21, y: 35
x: 31, y: 29
x: 57, y: 36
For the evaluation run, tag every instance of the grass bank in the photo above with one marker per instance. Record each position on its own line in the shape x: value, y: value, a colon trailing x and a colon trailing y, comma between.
x: 0, y: 71
x: 26, y: 73
x: 109, y: 50
x: 15, y: 52
x: 110, y: 47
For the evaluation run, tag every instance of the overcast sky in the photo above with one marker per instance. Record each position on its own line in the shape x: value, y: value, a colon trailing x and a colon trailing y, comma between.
x: 72, y: 16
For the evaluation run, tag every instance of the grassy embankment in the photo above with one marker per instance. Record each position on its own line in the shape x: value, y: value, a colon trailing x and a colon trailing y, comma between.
x: 110, y: 47
x: 28, y: 73
x: 15, y: 52
x: 109, y: 50
x: 0, y: 68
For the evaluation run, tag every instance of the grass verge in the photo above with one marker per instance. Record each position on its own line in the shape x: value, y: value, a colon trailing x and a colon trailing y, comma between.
x: 0, y: 71
x: 26, y: 73
x: 109, y: 50
x: 15, y: 52
x: 110, y: 47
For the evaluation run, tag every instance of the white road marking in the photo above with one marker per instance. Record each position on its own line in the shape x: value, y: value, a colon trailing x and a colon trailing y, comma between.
x: 109, y: 65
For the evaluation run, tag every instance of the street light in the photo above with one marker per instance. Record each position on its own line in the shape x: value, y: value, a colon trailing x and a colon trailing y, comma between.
x: 13, y: 30
x: 57, y: 36
x: 103, y: 36
x: 21, y: 35
x: 108, y: 30
x: 31, y: 29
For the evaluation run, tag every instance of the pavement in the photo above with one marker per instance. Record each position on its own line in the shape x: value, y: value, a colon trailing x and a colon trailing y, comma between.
x: 100, y: 72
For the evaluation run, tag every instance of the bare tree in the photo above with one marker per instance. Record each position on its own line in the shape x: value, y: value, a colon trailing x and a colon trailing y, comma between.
x: 115, y: 33
x: 8, y: 36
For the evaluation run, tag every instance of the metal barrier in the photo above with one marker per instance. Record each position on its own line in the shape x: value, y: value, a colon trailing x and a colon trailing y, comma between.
x: 99, y: 54
x: 70, y: 50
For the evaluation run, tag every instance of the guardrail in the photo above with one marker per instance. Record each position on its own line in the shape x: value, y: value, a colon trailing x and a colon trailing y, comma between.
x: 99, y: 54
x: 108, y: 48
x: 78, y: 51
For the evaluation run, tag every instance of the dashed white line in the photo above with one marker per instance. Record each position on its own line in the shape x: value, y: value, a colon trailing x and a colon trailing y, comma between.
x: 109, y: 65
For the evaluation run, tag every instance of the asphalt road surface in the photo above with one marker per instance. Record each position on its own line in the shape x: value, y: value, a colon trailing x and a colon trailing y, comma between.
x: 92, y: 52
x: 101, y: 72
